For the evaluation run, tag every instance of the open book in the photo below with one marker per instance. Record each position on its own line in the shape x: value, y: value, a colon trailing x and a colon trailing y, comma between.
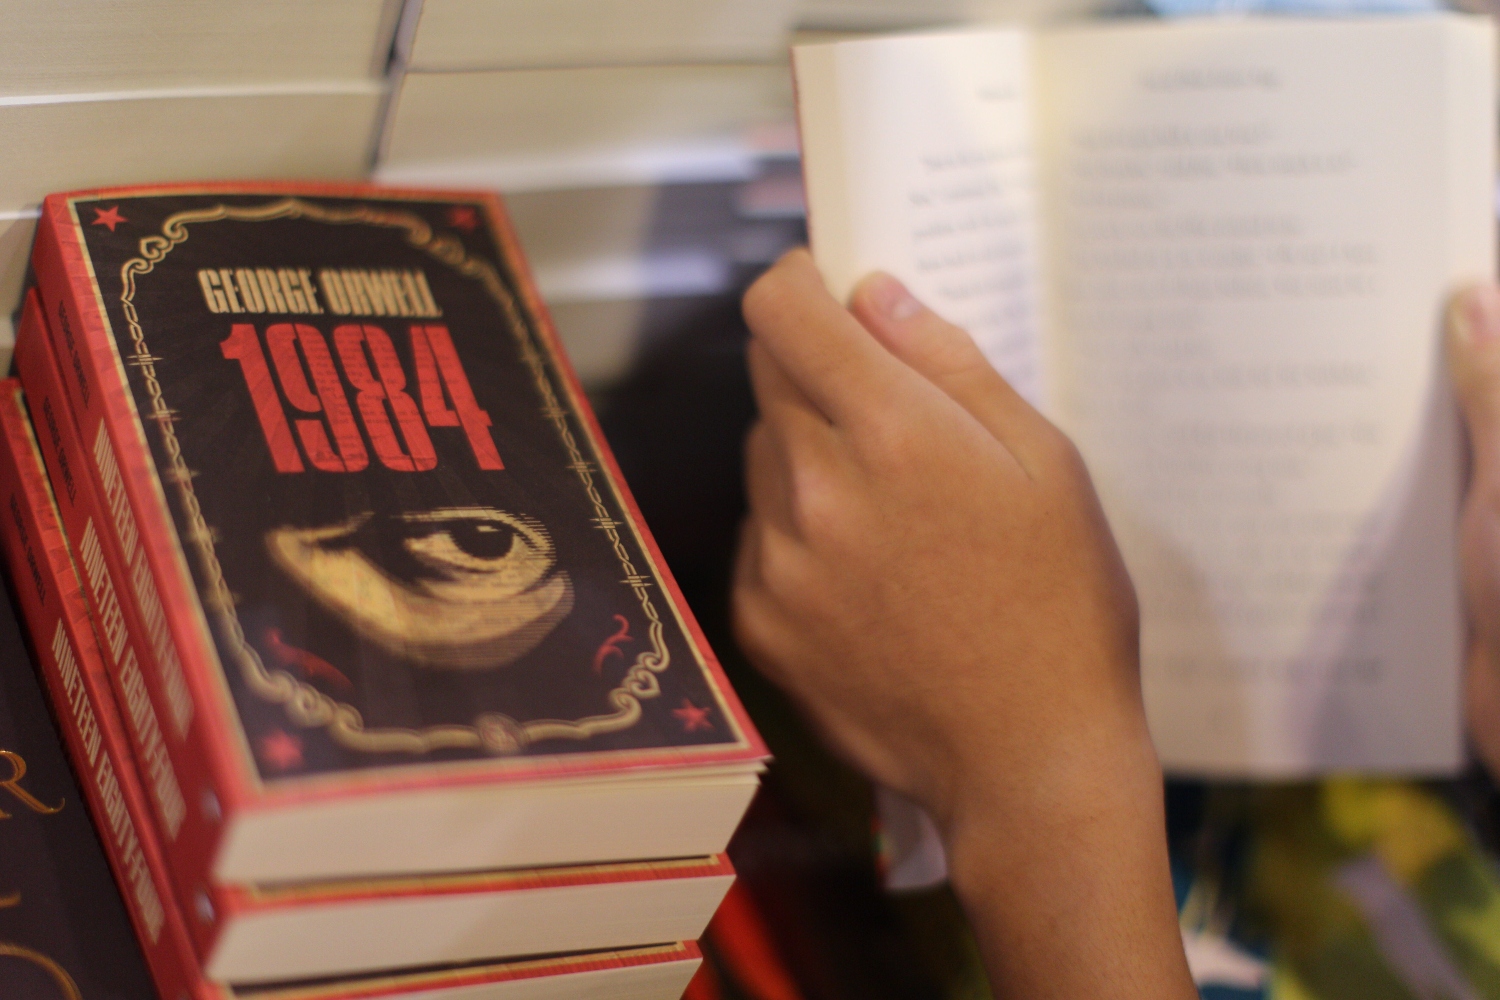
x: 1216, y: 253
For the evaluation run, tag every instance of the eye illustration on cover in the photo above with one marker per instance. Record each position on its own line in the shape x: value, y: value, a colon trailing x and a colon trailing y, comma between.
x: 455, y: 588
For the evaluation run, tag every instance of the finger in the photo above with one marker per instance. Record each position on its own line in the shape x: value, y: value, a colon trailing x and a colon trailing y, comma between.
x: 759, y: 627
x: 747, y: 556
x: 778, y: 398
x: 824, y: 350
x: 1473, y: 337
x: 947, y: 356
x: 768, y: 483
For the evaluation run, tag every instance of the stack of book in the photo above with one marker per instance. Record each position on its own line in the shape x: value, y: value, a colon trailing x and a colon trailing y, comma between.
x: 372, y: 675
x: 96, y: 94
x: 846, y: 16
x: 624, y: 134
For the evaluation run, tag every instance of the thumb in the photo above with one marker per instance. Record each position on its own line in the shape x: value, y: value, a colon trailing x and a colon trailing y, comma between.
x: 1474, y: 361
x: 946, y: 356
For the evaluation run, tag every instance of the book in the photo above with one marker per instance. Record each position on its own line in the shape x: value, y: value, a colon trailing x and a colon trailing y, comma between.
x: 341, y: 929
x: 17, y: 229
x: 64, y: 929
x: 452, y: 35
x: 1216, y: 253
x: 431, y: 637
x: 298, y: 932
x: 323, y: 130
x: 587, y: 126
x: 661, y: 972
x: 75, y: 46
x: 890, y: 15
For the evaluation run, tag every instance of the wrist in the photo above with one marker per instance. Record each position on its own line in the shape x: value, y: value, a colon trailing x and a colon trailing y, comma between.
x: 1095, y: 787
x: 1073, y: 878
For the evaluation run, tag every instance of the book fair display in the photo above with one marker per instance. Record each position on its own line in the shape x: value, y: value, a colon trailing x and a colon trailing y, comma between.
x: 365, y: 656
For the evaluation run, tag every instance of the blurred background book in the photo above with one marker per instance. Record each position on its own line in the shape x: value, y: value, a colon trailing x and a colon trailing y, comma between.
x: 646, y: 149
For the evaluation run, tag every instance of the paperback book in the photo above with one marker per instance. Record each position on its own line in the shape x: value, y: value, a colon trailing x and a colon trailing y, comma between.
x: 356, y: 530
x: 1217, y: 253
x: 332, y: 942
x: 247, y: 933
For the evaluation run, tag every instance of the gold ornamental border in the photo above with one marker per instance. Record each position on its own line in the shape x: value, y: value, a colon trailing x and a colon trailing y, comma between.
x: 47, y: 964
x: 305, y: 705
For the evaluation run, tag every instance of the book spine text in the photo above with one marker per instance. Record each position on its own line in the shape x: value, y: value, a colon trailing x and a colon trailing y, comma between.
x: 76, y: 680
x: 165, y: 755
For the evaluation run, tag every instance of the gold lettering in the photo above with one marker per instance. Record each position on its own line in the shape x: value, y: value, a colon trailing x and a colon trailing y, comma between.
x: 429, y: 304
x: 291, y: 289
x: 212, y: 293
x: 382, y: 297
x: 14, y: 899
x: 249, y: 288
x: 271, y: 291
x: 13, y: 785
x: 228, y: 278
x: 305, y: 275
x: 354, y: 284
x: 334, y: 293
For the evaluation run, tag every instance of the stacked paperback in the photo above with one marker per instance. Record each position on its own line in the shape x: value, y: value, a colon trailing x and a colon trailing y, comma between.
x: 371, y: 673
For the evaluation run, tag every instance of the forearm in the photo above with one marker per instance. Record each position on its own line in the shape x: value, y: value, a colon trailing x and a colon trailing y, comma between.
x: 1073, y: 898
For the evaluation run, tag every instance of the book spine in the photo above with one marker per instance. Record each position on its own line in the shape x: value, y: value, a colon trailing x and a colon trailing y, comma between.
x: 166, y: 756
x: 73, y: 672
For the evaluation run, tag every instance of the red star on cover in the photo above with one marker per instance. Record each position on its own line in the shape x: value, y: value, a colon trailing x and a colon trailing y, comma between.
x: 463, y: 217
x: 281, y: 750
x: 693, y: 718
x: 110, y: 217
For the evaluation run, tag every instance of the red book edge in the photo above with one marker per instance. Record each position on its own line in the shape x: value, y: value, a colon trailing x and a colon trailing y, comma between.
x: 56, y: 612
x: 36, y: 552
x: 64, y: 274
x: 416, y: 984
x: 248, y: 898
x: 62, y: 452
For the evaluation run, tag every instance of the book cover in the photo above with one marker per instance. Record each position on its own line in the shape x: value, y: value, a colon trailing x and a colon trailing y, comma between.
x: 375, y: 535
x: 272, y: 933
x: 51, y: 597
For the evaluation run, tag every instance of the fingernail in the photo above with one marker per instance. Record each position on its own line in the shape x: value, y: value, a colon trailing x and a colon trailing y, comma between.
x: 891, y: 298
x: 1478, y: 316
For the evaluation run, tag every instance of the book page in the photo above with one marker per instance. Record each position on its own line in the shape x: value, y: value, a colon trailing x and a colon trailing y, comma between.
x: 1255, y: 225
x: 918, y: 160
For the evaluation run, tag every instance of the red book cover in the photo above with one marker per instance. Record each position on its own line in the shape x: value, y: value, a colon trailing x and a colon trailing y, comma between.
x: 56, y: 612
x: 80, y: 516
x: 375, y: 541
x: 125, y: 654
x: 72, y: 666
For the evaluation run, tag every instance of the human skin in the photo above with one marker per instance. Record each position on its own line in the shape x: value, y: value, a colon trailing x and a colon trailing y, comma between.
x: 925, y: 569
x: 1474, y: 361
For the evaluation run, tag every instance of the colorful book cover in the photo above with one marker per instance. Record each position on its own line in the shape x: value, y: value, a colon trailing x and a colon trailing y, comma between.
x: 63, y: 930
x: 374, y: 532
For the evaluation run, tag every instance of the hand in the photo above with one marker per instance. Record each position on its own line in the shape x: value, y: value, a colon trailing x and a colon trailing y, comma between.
x: 926, y: 570
x: 1474, y: 359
